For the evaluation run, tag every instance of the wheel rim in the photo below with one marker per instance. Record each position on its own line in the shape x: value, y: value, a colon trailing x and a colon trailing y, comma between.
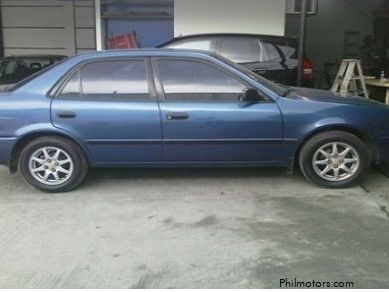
x: 51, y: 165
x: 336, y: 161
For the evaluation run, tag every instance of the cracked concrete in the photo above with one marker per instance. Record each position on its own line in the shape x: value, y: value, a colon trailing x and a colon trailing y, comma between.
x: 193, y: 228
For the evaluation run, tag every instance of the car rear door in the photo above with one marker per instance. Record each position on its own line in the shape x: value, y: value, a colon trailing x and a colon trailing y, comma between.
x: 110, y: 105
x: 204, y: 120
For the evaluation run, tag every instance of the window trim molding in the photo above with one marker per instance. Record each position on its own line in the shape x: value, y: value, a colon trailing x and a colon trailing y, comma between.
x: 159, y: 86
x: 66, y: 82
x: 55, y: 92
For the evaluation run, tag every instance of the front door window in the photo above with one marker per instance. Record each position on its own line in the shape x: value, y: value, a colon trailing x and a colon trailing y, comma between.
x: 186, y: 80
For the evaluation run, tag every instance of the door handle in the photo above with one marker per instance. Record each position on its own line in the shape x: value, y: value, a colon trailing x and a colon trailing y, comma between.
x: 177, y: 116
x: 66, y: 115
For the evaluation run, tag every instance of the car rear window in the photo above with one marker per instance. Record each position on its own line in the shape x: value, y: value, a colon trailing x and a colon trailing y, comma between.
x: 195, y: 44
x: 288, y: 47
x: 279, y: 89
x: 271, y: 51
x: 240, y: 49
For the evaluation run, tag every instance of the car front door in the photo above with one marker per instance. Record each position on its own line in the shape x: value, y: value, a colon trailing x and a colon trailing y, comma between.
x: 204, y: 120
x: 110, y: 105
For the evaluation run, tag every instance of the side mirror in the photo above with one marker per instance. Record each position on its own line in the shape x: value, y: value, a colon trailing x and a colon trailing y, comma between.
x: 251, y: 95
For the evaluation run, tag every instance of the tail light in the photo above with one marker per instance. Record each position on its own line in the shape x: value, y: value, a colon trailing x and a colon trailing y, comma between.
x: 307, y: 69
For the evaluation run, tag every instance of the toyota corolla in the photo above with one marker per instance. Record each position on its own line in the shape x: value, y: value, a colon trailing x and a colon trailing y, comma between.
x: 171, y: 108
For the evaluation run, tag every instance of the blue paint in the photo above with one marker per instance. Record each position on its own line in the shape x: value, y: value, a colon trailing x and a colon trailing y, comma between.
x: 133, y: 133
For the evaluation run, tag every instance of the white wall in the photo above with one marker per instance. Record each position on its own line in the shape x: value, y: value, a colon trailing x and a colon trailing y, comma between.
x: 234, y: 16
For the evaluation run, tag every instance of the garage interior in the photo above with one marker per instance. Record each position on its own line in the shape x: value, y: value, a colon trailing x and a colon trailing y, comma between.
x: 201, y: 227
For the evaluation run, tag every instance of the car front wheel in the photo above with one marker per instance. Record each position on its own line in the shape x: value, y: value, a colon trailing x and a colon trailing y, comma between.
x: 53, y: 164
x: 334, y: 159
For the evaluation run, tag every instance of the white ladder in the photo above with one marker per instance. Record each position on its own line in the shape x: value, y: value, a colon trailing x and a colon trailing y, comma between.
x: 346, y: 80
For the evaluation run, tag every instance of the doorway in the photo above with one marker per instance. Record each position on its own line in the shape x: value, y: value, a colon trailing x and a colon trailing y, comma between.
x: 149, y: 23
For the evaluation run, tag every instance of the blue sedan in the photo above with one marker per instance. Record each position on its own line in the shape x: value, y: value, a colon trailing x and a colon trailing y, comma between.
x: 165, y: 108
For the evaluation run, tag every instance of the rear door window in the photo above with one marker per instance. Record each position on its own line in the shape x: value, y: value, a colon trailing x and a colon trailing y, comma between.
x: 109, y: 79
x: 114, y: 78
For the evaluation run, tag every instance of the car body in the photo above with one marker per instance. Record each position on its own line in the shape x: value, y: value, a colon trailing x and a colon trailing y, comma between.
x: 170, y: 108
x: 273, y: 57
x: 15, y: 68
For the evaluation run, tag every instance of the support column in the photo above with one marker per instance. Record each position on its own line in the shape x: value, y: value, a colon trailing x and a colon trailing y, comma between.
x: 303, y: 22
x: 99, y: 30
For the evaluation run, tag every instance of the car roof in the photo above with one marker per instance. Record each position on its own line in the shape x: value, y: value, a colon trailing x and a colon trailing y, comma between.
x: 215, y: 35
x: 43, y: 82
x: 142, y: 53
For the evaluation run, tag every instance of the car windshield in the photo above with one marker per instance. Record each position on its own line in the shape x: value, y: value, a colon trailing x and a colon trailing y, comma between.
x: 277, y: 88
x: 33, y: 76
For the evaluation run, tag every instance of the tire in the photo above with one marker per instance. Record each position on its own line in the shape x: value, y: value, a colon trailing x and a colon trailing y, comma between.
x: 53, y: 164
x: 321, y: 164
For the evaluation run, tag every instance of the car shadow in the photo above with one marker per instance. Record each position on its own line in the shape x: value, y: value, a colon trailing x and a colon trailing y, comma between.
x: 184, y: 173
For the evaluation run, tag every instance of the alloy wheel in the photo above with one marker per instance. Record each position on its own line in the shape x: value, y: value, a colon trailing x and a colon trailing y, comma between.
x: 336, y: 161
x: 51, y: 165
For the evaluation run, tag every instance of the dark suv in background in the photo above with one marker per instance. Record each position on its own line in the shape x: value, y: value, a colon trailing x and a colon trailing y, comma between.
x: 273, y: 57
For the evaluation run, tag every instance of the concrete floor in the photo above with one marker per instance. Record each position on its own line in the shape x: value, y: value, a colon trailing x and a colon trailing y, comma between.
x: 193, y: 228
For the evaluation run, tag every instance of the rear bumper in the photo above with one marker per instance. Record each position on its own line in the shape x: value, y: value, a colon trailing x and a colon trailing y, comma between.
x: 6, y: 146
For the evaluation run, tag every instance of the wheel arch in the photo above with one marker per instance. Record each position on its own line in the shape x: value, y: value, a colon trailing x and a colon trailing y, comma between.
x: 366, y: 138
x: 28, y: 137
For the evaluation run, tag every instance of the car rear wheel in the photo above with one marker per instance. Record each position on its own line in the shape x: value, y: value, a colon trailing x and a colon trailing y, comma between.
x: 334, y: 159
x: 53, y: 164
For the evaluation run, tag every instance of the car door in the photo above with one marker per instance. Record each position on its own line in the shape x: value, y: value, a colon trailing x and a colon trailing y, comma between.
x: 204, y: 120
x: 110, y: 105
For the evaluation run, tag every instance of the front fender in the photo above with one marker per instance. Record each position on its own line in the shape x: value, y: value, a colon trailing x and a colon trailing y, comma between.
x: 304, y: 118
